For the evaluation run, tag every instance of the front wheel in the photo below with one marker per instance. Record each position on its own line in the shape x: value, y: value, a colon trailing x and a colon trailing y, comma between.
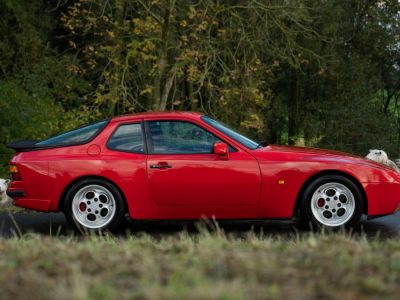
x: 94, y: 205
x: 332, y: 201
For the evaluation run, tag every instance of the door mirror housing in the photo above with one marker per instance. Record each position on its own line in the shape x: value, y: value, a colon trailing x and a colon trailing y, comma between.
x: 221, y: 150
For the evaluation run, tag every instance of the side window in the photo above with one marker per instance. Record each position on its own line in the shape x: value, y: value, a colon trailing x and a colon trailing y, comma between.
x: 128, y: 137
x: 180, y: 137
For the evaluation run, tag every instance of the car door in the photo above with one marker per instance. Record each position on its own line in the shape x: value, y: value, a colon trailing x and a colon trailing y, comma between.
x: 183, y: 171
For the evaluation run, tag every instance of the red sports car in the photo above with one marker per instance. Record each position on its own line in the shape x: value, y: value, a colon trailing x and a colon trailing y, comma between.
x: 183, y: 165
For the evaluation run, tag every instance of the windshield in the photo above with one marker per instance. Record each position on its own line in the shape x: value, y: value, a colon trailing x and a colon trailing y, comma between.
x: 75, y: 136
x: 245, y: 141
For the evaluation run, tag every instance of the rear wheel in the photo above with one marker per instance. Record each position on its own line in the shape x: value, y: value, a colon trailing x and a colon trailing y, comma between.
x: 332, y: 201
x: 94, y: 205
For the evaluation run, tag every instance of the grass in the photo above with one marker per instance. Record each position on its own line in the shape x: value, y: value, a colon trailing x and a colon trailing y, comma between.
x: 9, y: 208
x: 200, y: 266
x: 207, y: 265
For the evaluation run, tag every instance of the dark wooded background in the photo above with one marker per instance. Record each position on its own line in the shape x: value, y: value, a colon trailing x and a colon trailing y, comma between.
x: 315, y: 73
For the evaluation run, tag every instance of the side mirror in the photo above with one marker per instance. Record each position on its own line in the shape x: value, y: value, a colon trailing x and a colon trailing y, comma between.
x: 221, y: 150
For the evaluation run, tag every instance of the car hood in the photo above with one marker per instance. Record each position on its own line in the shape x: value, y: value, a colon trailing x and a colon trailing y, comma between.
x: 315, y: 154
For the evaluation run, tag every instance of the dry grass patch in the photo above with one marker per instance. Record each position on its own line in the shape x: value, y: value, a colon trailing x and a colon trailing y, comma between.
x: 199, y: 266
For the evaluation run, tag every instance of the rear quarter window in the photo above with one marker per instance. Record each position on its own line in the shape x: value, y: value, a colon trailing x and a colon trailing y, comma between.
x: 127, y: 138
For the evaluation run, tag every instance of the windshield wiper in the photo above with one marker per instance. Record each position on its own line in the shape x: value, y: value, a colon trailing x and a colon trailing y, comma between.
x: 264, y: 143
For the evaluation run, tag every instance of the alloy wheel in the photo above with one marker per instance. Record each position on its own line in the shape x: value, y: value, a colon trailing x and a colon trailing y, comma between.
x: 333, y: 204
x: 93, y: 206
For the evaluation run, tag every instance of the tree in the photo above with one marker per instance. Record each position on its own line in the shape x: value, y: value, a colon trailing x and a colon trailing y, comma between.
x: 316, y: 73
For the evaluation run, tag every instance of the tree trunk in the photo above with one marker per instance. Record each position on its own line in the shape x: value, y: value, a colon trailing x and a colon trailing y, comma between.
x: 115, y: 82
x: 292, y: 108
x: 160, y: 82
x: 167, y: 88
x: 188, y: 93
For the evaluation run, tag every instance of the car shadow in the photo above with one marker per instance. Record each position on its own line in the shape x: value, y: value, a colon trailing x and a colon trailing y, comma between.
x: 55, y: 224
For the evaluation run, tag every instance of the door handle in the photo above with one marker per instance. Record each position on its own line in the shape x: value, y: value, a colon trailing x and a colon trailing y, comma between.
x: 160, y: 166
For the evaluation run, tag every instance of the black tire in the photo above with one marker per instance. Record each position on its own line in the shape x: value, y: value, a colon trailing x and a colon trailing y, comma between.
x: 113, y: 224
x: 310, y: 220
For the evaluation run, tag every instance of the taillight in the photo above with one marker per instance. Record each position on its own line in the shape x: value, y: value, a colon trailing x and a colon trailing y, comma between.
x: 15, y: 173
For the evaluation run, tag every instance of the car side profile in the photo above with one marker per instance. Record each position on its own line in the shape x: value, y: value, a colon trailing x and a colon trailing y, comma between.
x: 183, y: 165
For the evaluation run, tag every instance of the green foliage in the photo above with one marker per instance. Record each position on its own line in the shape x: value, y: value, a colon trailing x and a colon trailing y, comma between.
x: 316, y: 73
x: 26, y: 113
x: 38, y: 95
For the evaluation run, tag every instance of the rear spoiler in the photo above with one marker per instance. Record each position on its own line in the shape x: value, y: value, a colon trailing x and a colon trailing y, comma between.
x: 24, y: 146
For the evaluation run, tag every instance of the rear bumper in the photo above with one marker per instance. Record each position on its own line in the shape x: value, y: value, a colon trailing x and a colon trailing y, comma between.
x: 20, y: 199
x: 15, y: 193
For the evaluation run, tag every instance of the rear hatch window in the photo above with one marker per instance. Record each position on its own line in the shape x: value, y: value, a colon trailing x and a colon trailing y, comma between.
x: 76, y: 136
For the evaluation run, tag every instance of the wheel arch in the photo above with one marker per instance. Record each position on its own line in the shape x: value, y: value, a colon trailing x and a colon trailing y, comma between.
x: 297, y: 206
x: 62, y: 198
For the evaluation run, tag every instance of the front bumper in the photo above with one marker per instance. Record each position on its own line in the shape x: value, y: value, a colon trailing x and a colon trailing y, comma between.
x: 382, y: 198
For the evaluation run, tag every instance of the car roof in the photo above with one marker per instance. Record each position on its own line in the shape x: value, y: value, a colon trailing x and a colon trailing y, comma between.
x: 158, y: 114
